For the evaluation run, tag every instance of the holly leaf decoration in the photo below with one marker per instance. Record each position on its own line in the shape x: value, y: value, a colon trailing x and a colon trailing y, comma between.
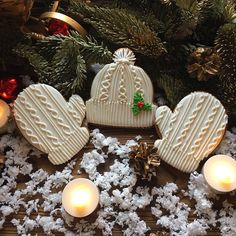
x: 136, y: 109
x: 139, y: 104
x: 147, y: 106
x: 138, y: 97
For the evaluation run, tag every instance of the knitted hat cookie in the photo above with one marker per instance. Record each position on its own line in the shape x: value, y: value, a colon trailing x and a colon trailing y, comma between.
x: 192, y: 131
x: 121, y: 94
x: 50, y: 123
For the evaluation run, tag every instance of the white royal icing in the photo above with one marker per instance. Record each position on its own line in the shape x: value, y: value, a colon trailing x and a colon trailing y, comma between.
x: 113, y: 91
x: 50, y: 123
x: 192, y: 131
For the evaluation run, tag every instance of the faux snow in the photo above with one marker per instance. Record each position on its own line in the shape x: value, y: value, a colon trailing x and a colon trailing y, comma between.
x: 121, y: 197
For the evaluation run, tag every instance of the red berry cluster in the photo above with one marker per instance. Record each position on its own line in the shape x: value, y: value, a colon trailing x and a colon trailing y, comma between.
x: 140, y: 105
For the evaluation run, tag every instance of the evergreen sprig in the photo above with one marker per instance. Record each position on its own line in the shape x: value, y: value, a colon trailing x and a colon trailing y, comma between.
x: 39, y: 63
x: 225, y: 10
x: 226, y: 47
x: 175, y: 89
x: 121, y: 28
x: 62, y: 61
x: 183, y: 18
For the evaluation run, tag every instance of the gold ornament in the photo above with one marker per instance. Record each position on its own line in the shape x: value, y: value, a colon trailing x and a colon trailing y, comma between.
x: 64, y: 18
x: 203, y: 64
x: 145, y: 159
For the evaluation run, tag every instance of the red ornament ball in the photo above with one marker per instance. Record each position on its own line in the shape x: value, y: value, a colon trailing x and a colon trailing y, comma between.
x: 8, y: 87
x: 140, y: 105
x: 58, y: 27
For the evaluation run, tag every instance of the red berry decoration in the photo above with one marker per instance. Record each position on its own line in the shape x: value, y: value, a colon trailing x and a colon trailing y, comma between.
x: 8, y: 87
x: 140, y: 105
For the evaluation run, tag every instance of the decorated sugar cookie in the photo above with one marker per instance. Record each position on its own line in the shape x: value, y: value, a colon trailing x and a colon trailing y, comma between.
x: 50, y: 123
x: 121, y: 94
x: 192, y: 131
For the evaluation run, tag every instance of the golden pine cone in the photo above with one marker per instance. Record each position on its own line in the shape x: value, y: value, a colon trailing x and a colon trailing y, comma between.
x: 203, y: 63
x: 16, y: 9
x: 2, y: 161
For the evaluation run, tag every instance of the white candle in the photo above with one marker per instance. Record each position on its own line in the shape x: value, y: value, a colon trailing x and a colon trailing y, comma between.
x: 220, y: 173
x: 4, y: 113
x: 80, y: 197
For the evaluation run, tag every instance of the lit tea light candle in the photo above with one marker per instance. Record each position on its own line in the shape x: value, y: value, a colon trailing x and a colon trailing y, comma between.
x: 80, y: 197
x: 220, y: 173
x: 4, y: 113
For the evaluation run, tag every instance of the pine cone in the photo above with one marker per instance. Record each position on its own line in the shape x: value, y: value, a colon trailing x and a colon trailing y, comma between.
x: 226, y: 47
x: 203, y: 64
x: 13, y: 14
x: 2, y: 161
x: 145, y: 159
x: 16, y: 8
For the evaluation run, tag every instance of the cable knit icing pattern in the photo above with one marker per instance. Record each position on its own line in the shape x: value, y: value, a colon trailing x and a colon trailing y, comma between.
x: 51, y: 124
x: 137, y: 81
x: 113, y: 91
x: 106, y: 84
x: 122, y: 90
x: 192, y: 131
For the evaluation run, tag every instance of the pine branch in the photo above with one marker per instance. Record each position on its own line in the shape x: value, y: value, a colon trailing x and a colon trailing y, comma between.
x: 40, y: 65
x: 226, y: 47
x: 184, y: 18
x: 90, y: 49
x: 49, y: 45
x: 121, y: 28
x: 224, y: 10
x: 74, y: 85
x: 64, y: 64
x: 60, y: 60
x: 174, y: 88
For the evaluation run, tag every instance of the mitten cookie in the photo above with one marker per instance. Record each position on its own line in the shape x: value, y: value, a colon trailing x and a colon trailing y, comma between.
x: 50, y: 123
x: 192, y: 131
x: 121, y: 94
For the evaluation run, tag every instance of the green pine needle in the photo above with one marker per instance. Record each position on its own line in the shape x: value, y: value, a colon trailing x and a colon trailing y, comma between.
x: 62, y: 61
x: 121, y: 28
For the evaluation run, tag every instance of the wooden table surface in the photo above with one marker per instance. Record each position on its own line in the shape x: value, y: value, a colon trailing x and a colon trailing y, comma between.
x: 165, y: 174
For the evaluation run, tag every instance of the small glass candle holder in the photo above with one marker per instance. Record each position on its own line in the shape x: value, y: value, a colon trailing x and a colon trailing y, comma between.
x: 220, y: 173
x: 80, y: 197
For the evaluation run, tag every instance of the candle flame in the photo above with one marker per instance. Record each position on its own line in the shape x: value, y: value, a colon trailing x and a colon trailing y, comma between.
x: 80, y: 197
x: 224, y: 175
